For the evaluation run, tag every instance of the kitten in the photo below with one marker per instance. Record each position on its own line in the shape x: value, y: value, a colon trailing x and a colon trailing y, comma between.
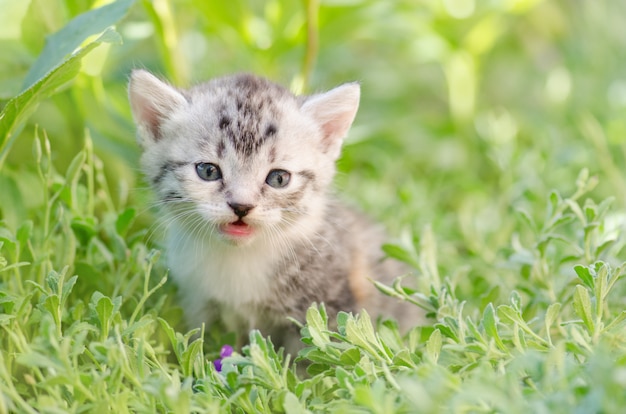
x: 243, y: 169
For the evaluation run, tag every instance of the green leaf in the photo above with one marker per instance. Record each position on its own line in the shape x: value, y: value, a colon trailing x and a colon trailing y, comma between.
x: 582, y: 307
x: 350, y: 357
x: 73, y: 171
x: 585, y: 276
x: 72, y: 175
x: 389, y: 291
x: 591, y: 210
x: 171, y: 335
x: 58, y: 64
x: 84, y: 228
x: 403, y: 358
x: 604, y: 206
x: 124, y: 220
x: 605, y: 245
x: 526, y: 218
x: 400, y: 253
x: 67, y: 40
x: 491, y: 296
x: 51, y: 304
x: 616, y: 322
x: 103, y: 307
x: 490, y: 324
x: 600, y: 290
x: 342, y: 318
x: 578, y: 212
x: 68, y: 285
x: 360, y: 332
x: 546, y: 239
x: 24, y: 232
x: 509, y: 314
x: 615, y: 275
x: 21, y: 106
x: 36, y: 359
x: 52, y: 281
x: 433, y: 346
x: 291, y: 404
x: 428, y: 257
x: 551, y: 314
x: 561, y: 221
x: 318, y: 326
x: 447, y: 331
x: 516, y: 300
x: 4, y: 318
x: 554, y: 201
x: 343, y: 377
x: 191, y: 356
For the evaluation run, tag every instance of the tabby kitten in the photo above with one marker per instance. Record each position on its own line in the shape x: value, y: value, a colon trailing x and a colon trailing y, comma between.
x: 243, y: 169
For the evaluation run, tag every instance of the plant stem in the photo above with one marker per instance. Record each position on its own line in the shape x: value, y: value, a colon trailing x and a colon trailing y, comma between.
x: 312, y: 42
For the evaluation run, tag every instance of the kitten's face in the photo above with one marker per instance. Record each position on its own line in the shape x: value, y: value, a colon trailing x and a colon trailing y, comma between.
x: 240, y: 159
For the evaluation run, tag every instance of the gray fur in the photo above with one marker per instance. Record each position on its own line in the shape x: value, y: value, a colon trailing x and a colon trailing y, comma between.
x: 303, y: 246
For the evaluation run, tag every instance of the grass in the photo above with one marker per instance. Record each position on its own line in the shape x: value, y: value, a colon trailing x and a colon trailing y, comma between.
x: 490, y: 142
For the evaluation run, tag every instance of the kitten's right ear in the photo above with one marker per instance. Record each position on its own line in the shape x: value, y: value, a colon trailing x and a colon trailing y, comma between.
x: 151, y: 101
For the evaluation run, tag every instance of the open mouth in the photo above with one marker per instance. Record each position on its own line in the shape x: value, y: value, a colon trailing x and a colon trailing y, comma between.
x: 237, y: 228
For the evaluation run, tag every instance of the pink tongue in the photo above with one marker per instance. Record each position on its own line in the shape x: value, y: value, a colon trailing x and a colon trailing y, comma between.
x: 238, y: 228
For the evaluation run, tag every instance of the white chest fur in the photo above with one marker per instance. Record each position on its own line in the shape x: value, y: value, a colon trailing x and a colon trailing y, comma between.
x: 206, y: 270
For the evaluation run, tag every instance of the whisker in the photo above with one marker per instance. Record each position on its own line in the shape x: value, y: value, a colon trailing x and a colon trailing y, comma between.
x: 306, y: 234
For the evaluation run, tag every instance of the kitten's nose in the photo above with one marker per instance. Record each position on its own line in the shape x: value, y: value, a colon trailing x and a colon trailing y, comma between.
x: 241, y: 210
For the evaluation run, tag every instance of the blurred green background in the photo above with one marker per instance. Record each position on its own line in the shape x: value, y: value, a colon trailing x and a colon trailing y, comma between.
x: 476, y: 121
x: 468, y: 107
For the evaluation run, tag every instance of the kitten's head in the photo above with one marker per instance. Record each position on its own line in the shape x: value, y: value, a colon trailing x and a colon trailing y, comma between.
x: 239, y: 158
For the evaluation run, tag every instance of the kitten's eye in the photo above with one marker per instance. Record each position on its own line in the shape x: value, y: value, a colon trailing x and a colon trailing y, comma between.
x: 208, y: 171
x: 278, y: 178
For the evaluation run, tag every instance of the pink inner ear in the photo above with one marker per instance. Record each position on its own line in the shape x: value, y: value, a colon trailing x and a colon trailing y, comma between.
x: 150, y: 117
x: 329, y: 129
x: 152, y: 101
x: 334, y: 112
x: 145, y: 110
x: 334, y: 130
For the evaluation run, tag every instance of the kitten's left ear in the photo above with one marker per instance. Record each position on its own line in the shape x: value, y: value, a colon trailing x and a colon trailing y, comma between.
x: 334, y: 112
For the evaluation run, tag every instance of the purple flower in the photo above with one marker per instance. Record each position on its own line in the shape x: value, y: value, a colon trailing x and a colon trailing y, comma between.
x: 226, y: 351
